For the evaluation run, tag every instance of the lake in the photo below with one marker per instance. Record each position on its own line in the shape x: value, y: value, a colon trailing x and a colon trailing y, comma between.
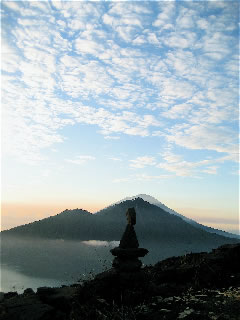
x: 33, y: 263
x: 38, y: 263
x: 13, y: 280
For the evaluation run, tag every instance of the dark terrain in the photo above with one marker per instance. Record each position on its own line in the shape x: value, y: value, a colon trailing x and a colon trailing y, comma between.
x: 193, y: 286
x: 159, y: 204
x: 153, y: 224
x: 53, y: 247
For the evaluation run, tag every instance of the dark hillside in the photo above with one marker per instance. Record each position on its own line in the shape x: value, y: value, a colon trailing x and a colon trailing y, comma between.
x: 69, y: 224
x: 154, y: 225
x: 159, y: 204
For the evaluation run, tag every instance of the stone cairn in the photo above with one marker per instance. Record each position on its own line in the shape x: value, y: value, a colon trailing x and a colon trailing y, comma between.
x: 128, y: 251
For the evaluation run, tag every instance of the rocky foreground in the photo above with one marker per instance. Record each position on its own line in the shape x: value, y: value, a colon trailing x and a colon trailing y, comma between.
x: 194, y: 286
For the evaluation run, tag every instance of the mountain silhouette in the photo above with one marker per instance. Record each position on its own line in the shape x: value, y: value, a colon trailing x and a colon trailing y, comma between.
x: 70, y: 224
x: 154, y: 225
x: 156, y: 202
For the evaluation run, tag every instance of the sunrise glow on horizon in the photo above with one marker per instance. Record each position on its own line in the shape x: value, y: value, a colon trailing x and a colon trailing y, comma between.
x: 104, y: 100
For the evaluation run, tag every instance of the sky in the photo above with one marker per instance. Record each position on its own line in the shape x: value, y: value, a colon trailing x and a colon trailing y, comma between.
x: 104, y: 100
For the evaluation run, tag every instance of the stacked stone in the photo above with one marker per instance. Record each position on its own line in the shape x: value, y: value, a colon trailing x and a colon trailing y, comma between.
x: 128, y: 251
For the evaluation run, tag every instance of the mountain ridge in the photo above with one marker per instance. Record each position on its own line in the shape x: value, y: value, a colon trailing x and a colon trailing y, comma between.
x: 144, y: 197
x: 153, y: 224
x: 156, y: 202
x: 164, y: 234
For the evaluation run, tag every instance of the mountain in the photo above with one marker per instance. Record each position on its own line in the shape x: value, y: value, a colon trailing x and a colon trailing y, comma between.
x: 38, y: 248
x: 154, y: 201
x: 154, y: 225
x: 69, y: 224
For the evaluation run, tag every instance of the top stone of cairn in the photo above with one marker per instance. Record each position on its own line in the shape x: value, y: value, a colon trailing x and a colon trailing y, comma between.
x: 131, y: 216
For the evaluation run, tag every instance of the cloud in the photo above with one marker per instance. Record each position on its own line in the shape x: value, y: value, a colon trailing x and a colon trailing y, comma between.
x: 140, y: 69
x: 167, y: 11
x: 178, y: 111
x: 97, y: 243
x: 147, y: 177
x: 111, y: 137
x: 180, y: 39
x: 202, y: 24
x: 217, y: 45
x: 176, y: 89
x: 120, y: 180
x: 139, y: 40
x: 183, y: 61
x: 128, y: 20
x: 143, y: 177
x: 9, y: 58
x: 80, y: 160
x: 185, y: 19
x: 152, y: 38
x: 141, y: 162
x: 88, y: 46
x: 115, y: 159
x: 127, y: 33
x: 211, y: 170
x: 204, y: 137
x: 12, y: 5
x: 176, y: 164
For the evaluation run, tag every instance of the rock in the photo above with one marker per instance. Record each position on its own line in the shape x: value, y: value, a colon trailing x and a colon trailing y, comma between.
x: 59, y: 298
x: 129, y: 238
x: 10, y: 294
x: 168, y: 299
x: 126, y: 265
x: 46, y: 304
x: 159, y: 298
x: 218, y: 268
x: 28, y: 291
x: 128, y: 251
x: 28, y: 308
x: 185, y: 313
x: 1, y: 296
x: 131, y: 216
x: 46, y: 291
x: 165, y: 310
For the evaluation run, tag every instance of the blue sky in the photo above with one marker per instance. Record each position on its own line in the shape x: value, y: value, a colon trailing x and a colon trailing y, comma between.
x: 103, y: 100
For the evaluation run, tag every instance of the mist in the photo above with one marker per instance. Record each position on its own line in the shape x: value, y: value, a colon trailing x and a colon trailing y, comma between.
x: 29, y: 262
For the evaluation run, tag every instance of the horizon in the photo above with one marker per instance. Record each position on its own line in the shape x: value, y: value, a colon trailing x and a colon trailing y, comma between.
x: 102, y: 100
x: 44, y: 212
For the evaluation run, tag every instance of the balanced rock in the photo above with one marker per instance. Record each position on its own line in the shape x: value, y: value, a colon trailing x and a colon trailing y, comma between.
x: 128, y: 251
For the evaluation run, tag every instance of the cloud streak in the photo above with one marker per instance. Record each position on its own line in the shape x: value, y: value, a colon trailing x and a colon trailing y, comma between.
x: 162, y: 69
x: 80, y: 160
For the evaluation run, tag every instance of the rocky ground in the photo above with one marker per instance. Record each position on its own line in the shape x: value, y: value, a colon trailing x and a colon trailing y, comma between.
x: 194, y: 286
